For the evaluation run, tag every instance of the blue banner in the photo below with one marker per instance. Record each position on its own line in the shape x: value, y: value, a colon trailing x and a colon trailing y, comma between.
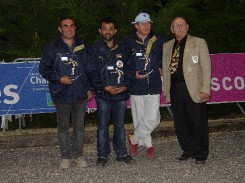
x: 23, y: 90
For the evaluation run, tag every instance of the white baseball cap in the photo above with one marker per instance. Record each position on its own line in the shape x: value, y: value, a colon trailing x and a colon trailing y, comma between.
x: 142, y: 17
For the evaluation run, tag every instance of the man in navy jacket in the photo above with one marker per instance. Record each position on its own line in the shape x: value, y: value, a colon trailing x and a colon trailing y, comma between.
x: 145, y: 51
x: 113, y: 77
x: 63, y: 64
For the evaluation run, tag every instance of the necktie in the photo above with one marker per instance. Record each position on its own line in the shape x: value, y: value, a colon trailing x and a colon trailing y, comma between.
x: 175, y: 59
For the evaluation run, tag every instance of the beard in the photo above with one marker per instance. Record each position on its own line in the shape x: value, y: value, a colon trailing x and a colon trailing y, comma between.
x: 108, y: 37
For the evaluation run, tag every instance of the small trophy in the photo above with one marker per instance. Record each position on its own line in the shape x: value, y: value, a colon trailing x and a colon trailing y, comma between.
x: 115, y: 74
x: 143, y: 65
x: 68, y: 66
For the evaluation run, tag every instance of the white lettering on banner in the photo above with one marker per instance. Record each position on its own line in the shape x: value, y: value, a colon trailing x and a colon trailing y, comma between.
x: 241, y: 81
x: 215, y: 86
x: 225, y: 86
x: 227, y: 83
x: 7, y: 91
x: 38, y: 80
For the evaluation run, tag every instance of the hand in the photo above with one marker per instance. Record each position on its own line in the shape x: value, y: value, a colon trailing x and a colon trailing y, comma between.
x: 90, y: 95
x: 138, y: 76
x: 120, y: 89
x: 66, y: 80
x: 204, y: 96
x: 111, y: 89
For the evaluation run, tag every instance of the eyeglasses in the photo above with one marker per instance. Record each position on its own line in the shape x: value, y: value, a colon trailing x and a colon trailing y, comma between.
x: 178, y: 25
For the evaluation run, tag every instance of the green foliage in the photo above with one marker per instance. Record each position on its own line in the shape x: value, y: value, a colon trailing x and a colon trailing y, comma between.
x: 27, y: 25
x: 218, y: 22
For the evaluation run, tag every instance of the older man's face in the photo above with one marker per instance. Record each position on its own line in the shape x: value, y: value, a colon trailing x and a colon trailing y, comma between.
x: 180, y: 28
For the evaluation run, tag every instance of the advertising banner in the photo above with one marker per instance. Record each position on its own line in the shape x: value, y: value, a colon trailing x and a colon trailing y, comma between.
x: 228, y: 78
x: 24, y: 91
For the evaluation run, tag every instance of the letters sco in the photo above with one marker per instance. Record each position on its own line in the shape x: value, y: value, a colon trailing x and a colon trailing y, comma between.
x: 228, y: 83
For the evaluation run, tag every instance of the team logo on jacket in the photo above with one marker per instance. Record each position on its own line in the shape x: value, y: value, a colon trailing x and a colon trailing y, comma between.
x: 119, y: 64
x: 119, y: 55
x: 195, y: 59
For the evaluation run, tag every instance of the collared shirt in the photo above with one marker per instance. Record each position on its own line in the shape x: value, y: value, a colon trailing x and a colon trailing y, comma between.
x: 178, y: 75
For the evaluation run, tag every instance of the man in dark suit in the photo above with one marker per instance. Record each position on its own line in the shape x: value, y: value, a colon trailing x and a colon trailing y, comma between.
x: 186, y: 79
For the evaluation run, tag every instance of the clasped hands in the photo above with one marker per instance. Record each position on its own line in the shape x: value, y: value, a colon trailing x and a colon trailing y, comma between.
x: 115, y: 90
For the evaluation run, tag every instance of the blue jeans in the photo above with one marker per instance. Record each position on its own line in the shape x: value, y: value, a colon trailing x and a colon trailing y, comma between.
x: 77, y: 112
x: 106, y: 110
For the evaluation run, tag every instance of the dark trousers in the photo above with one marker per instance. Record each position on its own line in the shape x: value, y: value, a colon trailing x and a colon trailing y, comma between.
x: 76, y: 112
x: 190, y: 121
x: 114, y: 110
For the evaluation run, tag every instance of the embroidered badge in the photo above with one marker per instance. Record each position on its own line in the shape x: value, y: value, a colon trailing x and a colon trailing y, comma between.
x: 119, y: 64
x: 64, y: 59
x: 110, y: 67
x: 119, y: 55
x: 195, y: 59
x: 139, y: 54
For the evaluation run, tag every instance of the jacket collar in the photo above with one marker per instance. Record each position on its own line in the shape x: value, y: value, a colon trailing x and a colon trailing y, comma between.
x: 103, y: 45
x: 63, y: 45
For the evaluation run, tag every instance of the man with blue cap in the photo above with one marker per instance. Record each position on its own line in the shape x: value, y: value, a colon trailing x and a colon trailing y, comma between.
x: 145, y: 50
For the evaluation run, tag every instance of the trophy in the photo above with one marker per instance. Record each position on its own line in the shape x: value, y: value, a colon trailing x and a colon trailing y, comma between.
x: 68, y: 66
x: 115, y: 74
x: 143, y: 64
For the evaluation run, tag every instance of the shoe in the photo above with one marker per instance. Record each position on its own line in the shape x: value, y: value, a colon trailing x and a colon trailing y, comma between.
x: 183, y: 157
x: 133, y: 148
x: 81, y: 162
x: 101, y: 162
x: 64, y: 164
x: 150, y: 152
x: 126, y: 159
x: 200, y: 161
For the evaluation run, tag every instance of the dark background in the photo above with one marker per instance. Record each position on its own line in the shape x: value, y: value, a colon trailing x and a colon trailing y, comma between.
x: 27, y: 25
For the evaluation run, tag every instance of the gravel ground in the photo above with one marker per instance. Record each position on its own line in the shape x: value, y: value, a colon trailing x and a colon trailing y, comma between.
x: 226, y: 164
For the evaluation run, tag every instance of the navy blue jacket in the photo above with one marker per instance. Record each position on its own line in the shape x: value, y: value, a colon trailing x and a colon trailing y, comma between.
x: 59, y: 60
x: 104, y: 62
x: 136, y: 49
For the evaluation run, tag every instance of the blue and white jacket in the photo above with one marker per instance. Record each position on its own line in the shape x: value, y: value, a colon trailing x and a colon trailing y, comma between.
x: 104, y: 62
x: 59, y: 60
x: 136, y: 49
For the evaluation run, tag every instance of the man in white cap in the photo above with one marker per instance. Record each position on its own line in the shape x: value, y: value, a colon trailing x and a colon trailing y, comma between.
x: 145, y: 50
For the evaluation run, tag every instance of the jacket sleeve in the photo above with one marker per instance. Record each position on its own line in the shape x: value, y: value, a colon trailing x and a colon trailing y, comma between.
x: 129, y: 70
x: 205, y: 67
x: 92, y: 72
x: 46, y: 66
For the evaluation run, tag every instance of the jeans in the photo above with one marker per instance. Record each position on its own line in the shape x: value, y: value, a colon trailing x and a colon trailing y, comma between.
x: 77, y: 112
x: 106, y: 110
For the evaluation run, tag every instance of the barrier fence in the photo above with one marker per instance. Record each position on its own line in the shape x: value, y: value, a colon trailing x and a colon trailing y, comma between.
x: 24, y: 91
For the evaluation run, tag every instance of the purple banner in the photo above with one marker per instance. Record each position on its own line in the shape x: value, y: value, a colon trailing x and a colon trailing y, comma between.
x: 228, y: 79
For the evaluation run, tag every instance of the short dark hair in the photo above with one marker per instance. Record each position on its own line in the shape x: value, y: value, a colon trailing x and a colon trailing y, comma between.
x: 108, y: 20
x: 65, y: 17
